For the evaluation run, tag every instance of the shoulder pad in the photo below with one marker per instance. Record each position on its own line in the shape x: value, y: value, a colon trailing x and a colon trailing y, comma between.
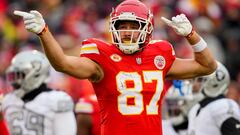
x: 231, y: 109
x: 163, y: 45
x: 92, y: 46
x: 58, y: 101
x: 89, y: 47
x: 228, y: 105
x: 11, y: 99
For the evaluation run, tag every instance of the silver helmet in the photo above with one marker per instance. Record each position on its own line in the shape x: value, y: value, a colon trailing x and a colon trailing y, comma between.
x: 28, y: 70
x: 216, y: 83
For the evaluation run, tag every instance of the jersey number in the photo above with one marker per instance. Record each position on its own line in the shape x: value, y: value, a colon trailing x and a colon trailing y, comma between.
x: 25, y: 122
x: 135, y: 92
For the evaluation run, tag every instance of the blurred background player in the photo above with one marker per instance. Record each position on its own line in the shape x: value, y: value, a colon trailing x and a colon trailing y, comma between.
x: 214, y: 114
x: 176, y: 105
x: 88, y: 115
x: 31, y: 107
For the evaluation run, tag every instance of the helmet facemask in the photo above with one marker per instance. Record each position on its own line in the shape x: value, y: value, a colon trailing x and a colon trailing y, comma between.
x: 135, y: 43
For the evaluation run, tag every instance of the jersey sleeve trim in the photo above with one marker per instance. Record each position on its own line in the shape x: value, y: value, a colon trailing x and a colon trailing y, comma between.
x: 84, y: 107
x: 89, y: 49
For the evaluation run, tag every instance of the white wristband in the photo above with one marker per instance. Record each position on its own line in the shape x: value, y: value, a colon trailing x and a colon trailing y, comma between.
x: 199, y: 46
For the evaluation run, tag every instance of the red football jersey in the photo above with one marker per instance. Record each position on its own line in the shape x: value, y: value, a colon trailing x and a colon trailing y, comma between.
x: 3, y: 125
x: 131, y: 91
x: 89, y: 105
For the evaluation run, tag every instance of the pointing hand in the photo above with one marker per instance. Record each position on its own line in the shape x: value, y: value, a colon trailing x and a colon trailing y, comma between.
x: 180, y: 24
x: 33, y: 20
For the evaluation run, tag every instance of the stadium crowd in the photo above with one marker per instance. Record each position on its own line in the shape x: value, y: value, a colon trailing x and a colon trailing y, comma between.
x: 72, y: 21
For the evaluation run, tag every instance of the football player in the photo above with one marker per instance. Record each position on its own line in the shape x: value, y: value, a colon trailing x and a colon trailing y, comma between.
x: 32, y: 108
x: 178, y: 101
x: 128, y: 75
x: 88, y: 115
x: 214, y: 114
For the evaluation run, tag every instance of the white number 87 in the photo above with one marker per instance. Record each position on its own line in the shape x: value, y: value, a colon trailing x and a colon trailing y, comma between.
x: 135, y: 92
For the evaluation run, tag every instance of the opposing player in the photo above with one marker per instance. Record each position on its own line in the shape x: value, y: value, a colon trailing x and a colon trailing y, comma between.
x: 178, y: 101
x: 32, y: 108
x: 128, y: 74
x: 88, y: 116
x: 215, y: 114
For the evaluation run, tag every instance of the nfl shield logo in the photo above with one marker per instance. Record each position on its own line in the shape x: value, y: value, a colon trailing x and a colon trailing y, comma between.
x: 139, y: 60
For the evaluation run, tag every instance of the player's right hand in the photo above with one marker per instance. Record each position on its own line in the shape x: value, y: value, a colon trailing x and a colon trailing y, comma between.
x: 33, y: 20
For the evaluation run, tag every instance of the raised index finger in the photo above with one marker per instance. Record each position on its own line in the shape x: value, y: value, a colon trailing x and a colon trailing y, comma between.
x: 21, y: 13
x: 168, y: 22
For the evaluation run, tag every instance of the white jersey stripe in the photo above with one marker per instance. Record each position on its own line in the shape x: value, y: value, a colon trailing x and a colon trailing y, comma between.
x: 89, y: 48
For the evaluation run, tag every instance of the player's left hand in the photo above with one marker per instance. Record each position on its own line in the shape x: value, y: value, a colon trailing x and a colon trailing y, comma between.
x: 180, y: 24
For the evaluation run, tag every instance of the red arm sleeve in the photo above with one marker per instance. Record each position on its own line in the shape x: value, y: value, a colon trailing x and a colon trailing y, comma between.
x: 3, y: 128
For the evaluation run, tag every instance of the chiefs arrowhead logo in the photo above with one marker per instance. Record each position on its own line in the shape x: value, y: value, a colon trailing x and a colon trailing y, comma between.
x: 159, y: 62
x: 116, y: 57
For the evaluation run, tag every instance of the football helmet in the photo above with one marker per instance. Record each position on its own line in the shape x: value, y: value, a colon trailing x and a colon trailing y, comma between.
x: 179, y: 99
x: 216, y: 83
x: 180, y: 89
x: 28, y: 70
x: 136, y: 11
